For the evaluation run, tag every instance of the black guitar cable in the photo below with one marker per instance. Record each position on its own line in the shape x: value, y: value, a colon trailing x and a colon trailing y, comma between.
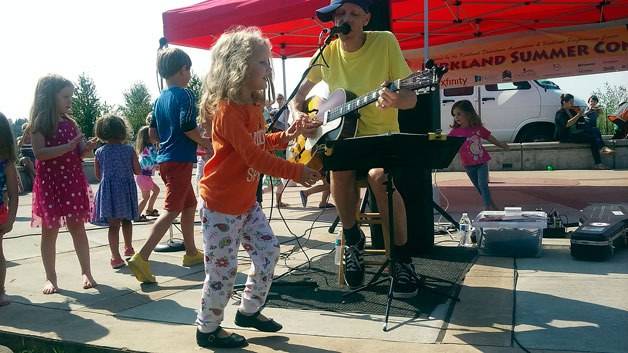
x: 513, y: 335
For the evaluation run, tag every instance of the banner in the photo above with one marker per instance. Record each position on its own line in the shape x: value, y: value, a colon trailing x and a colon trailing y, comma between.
x: 573, y: 51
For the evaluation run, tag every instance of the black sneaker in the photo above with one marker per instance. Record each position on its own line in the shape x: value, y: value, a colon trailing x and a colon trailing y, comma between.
x: 354, y: 263
x: 405, y: 283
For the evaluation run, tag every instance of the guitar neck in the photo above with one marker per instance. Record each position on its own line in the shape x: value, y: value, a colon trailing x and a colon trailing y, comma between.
x: 359, y: 102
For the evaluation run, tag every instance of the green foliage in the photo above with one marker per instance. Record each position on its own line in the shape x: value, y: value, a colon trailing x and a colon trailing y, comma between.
x: 86, y: 107
x: 137, y: 104
x: 109, y: 108
x: 196, y: 86
x: 610, y: 98
x: 16, y: 127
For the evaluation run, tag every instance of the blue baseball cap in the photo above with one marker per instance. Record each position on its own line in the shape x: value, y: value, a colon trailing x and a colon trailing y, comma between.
x: 326, y: 13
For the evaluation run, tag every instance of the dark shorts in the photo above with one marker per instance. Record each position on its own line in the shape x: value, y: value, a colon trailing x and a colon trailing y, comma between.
x: 179, y: 191
x: 360, y: 174
x: 27, y: 152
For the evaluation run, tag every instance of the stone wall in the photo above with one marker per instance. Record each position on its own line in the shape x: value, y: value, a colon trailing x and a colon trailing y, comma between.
x: 540, y: 155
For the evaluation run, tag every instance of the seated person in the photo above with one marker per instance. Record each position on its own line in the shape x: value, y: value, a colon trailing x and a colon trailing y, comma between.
x: 360, y: 61
x: 572, y: 127
x: 593, y: 111
x: 620, y: 119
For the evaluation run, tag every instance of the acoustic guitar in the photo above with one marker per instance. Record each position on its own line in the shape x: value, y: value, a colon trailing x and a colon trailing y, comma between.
x: 339, y: 114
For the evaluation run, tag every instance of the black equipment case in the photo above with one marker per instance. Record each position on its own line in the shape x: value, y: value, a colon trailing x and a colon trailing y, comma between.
x: 603, y: 229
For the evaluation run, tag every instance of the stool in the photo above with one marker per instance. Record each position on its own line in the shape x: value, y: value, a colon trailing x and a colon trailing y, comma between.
x: 365, y: 218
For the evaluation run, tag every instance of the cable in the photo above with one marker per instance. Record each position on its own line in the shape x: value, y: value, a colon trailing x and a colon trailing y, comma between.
x: 306, y: 234
x: 285, y: 255
x: 513, y: 336
x: 297, y: 238
x: 297, y: 268
x: 440, y: 217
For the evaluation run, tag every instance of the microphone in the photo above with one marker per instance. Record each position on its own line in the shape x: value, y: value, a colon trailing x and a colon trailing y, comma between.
x: 344, y: 28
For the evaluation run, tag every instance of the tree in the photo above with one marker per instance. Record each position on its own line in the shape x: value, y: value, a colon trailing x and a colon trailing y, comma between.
x: 137, y: 104
x: 196, y: 86
x: 107, y: 108
x: 16, y: 127
x: 610, y: 97
x: 86, y: 107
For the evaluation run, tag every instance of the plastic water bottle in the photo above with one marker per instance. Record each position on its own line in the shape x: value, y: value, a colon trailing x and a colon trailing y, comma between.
x: 465, y: 231
x: 337, y: 242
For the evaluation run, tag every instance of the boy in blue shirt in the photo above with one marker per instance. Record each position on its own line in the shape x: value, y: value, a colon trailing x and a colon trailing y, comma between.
x: 174, y: 122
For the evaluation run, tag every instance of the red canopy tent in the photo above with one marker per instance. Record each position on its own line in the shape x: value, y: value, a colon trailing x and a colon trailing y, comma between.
x: 294, y: 30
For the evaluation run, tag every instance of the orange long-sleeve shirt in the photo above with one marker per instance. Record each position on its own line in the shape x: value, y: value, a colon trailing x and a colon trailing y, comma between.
x: 241, y: 146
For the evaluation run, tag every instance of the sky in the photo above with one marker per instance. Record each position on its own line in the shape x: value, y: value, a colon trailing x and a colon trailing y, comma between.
x: 115, y: 43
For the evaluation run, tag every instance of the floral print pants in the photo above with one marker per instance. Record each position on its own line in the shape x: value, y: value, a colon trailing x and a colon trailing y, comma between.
x: 222, y: 234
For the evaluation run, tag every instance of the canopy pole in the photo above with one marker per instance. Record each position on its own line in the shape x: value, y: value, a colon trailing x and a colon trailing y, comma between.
x: 283, y: 71
x: 282, y: 51
x: 433, y: 98
x: 426, y: 47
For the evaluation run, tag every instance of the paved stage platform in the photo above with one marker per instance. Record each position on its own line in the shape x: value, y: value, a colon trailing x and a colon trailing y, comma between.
x: 562, y: 305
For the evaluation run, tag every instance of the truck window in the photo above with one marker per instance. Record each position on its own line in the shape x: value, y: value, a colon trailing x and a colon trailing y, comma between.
x: 458, y: 91
x: 547, y: 84
x: 508, y: 86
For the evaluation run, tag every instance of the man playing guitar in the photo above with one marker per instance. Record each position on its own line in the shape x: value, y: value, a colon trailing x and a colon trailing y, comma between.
x: 360, y: 62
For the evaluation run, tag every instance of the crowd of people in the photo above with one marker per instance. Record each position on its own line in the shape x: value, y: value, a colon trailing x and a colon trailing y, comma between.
x: 225, y: 133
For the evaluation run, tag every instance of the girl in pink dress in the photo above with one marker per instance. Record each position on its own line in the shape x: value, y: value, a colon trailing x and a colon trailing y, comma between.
x: 61, y: 194
x: 147, y: 153
x: 8, y: 206
x: 473, y: 156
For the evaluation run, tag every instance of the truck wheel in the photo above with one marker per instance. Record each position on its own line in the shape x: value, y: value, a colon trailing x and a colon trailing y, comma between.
x: 536, y: 133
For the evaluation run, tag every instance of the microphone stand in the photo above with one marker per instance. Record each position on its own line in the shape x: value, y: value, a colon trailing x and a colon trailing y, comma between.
x: 283, y: 108
x: 278, y: 113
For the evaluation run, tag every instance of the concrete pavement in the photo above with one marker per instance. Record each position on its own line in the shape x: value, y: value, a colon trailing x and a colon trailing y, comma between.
x: 561, y: 304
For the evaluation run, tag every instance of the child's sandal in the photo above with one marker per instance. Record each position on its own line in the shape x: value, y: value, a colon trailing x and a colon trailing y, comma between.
x: 117, y: 263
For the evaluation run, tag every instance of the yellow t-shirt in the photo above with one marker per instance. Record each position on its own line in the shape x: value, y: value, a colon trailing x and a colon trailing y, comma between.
x: 380, y: 59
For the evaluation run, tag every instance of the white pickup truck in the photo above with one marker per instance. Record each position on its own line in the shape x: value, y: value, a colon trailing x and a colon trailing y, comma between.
x: 513, y: 111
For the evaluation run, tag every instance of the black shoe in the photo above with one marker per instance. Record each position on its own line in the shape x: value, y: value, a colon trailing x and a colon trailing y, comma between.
x: 255, y: 322
x: 405, y: 283
x: 354, y: 263
x: 212, y: 340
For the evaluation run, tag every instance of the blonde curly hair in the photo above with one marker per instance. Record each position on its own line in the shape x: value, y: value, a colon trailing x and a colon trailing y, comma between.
x: 228, y: 68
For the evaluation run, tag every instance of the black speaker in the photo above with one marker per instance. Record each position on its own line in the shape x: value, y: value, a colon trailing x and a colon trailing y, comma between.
x: 424, y: 117
x: 416, y: 185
